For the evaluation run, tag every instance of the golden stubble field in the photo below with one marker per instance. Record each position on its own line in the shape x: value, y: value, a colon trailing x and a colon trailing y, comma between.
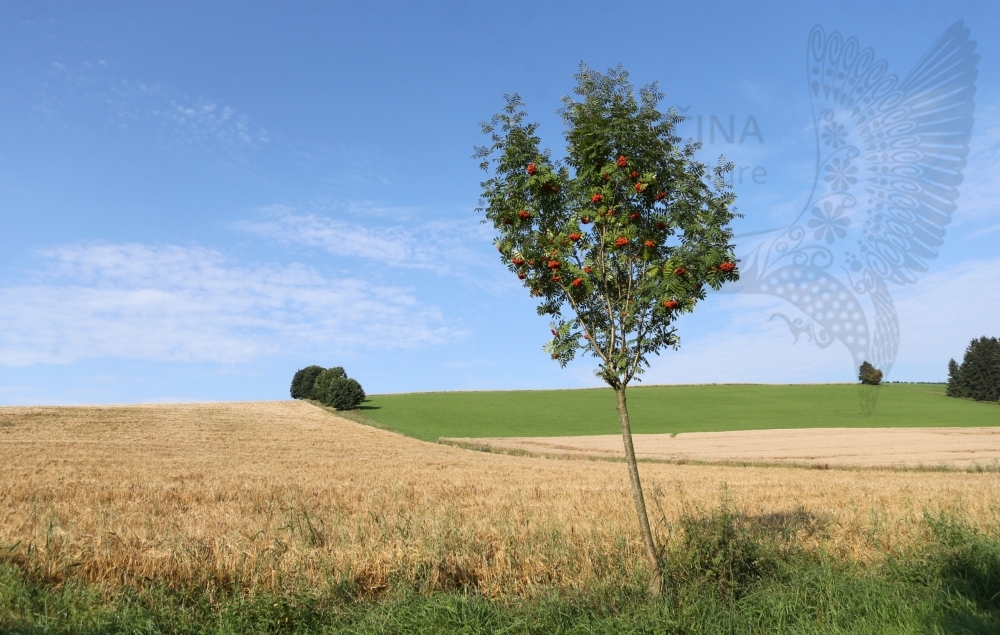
x: 924, y: 448
x: 283, y: 494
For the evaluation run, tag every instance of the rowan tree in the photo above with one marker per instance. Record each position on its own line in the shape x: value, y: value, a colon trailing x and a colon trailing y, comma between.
x: 617, y: 240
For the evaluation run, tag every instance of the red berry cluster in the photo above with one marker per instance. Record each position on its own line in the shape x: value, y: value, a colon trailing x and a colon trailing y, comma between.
x: 597, y: 198
x: 621, y: 241
x: 524, y: 214
x: 622, y: 161
x: 727, y: 267
x: 532, y: 168
x: 671, y: 304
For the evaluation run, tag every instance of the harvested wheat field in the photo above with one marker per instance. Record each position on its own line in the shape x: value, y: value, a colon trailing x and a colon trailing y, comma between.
x: 273, y: 495
x: 962, y: 448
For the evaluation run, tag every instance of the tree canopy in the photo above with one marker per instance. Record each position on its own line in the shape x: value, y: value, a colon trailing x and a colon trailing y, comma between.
x: 619, y: 238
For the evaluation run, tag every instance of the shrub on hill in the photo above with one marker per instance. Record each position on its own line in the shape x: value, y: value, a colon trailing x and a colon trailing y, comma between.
x: 869, y: 375
x: 329, y: 386
x: 303, y: 381
x: 978, y: 376
x: 337, y: 390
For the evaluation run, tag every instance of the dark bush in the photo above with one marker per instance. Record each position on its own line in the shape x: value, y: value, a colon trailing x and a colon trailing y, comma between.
x: 869, y: 375
x: 303, y: 381
x: 342, y: 393
x: 329, y: 386
x: 321, y: 388
x: 978, y: 376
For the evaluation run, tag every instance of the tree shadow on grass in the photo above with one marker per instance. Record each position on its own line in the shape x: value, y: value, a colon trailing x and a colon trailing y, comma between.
x: 967, y: 566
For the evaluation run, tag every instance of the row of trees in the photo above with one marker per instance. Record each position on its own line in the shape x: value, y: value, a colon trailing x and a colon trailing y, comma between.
x: 329, y: 386
x: 978, y: 376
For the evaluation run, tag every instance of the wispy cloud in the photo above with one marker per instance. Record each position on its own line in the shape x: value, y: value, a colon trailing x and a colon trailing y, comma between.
x: 989, y: 229
x: 177, y: 118
x: 448, y: 247
x: 171, y: 303
x: 202, y: 120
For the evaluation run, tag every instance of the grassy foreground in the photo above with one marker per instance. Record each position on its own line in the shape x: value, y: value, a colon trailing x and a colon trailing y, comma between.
x: 277, y: 517
x: 725, y: 576
x: 671, y: 409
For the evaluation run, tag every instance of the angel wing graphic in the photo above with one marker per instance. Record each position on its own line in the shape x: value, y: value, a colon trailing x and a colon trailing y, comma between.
x: 889, y: 160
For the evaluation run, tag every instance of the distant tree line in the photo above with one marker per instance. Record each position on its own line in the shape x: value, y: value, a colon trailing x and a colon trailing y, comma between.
x: 329, y: 386
x: 978, y: 376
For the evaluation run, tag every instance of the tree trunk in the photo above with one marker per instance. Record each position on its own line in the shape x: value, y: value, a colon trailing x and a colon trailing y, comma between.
x: 656, y: 572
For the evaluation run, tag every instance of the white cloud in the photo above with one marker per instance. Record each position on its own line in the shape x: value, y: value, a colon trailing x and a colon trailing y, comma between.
x: 942, y: 313
x: 736, y: 342
x: 171, y: 303
x: 980, y: 190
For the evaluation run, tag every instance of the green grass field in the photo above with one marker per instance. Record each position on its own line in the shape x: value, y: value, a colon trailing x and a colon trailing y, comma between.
x: 671, y: 409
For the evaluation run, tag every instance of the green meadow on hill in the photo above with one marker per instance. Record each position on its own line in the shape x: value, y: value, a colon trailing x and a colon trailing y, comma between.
x: 671, y: 409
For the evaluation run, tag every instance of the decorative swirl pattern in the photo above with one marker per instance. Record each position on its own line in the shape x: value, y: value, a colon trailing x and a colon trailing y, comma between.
x: 889, y: 160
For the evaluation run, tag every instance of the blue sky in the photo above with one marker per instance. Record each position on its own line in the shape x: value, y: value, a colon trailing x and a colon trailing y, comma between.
x: 196, y: 199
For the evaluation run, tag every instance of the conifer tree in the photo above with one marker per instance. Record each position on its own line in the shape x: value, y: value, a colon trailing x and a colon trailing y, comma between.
x: 978, y: 376
x: 955, y: 386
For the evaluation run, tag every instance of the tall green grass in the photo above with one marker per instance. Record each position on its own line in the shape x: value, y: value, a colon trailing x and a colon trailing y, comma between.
x: 728, y: 573
x: 670, y: 409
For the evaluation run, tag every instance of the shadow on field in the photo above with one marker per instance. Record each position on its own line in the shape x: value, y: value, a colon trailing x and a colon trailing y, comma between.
x: 736, y: 566
x: 967, y: 565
